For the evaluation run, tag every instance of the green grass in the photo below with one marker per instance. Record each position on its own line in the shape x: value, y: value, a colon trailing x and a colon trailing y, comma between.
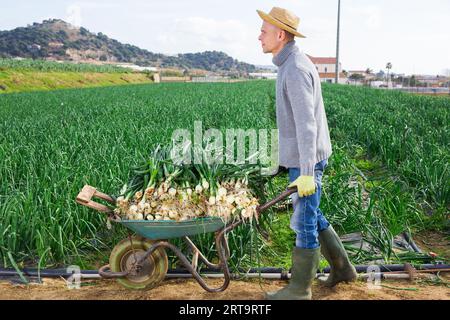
x: 12, y: 81
x: 48, y: 66
x: 52, y: 143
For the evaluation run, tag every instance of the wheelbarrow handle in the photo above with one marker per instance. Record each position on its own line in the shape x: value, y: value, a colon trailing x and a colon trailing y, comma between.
x: 85, y: 198
x: 275, y: 200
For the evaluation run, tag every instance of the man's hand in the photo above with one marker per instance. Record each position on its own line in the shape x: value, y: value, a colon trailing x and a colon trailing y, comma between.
x: 305, y: 185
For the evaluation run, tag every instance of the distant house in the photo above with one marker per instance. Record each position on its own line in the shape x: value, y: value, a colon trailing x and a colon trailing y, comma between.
x: 263, y: 75
x: 137, y: 68
x: 432, y: 81
x: 377, y: 84
x: 54, y: 44
x: 362, y: 77
x: 360, y: 72
x: 34, y: 47
x: 327, y: 69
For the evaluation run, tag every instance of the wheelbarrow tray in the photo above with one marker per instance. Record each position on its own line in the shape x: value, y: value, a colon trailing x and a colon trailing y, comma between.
x: 168, y: 229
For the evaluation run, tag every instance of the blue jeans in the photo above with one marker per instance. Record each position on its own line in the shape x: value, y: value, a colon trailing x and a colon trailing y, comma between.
x: 307, y: 220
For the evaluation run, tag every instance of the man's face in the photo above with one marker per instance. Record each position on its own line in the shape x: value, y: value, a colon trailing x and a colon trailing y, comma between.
x: 271, y: 38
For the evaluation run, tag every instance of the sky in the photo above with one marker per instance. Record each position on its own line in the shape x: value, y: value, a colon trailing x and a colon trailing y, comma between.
x: 414, y: 35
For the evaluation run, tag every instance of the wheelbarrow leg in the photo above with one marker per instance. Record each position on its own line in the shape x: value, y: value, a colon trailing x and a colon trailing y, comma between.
x: 198, y: 255
x: 188, y: 266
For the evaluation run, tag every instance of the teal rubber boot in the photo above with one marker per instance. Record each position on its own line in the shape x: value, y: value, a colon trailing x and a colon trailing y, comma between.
x: 304, y: 267
x: 341, y: 269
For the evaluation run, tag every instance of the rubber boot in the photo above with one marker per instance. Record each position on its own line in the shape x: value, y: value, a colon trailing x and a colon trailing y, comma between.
x: 341, y: 269
x: 304, y: 267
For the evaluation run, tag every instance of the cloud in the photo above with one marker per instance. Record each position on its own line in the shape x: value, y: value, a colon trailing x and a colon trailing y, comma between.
x: 371, y: 16
x: 74, y: 11
x: 96, y: 5
x: 196, y: 33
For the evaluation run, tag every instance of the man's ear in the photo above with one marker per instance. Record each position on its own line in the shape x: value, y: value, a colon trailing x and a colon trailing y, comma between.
x: 282, y: 35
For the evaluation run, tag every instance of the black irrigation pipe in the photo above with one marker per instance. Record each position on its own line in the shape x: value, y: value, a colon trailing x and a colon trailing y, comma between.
x: 359, y: 268
x: 56, y: 273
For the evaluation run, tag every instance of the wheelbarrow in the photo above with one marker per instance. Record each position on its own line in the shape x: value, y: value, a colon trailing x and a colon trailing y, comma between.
x: 140, y: 261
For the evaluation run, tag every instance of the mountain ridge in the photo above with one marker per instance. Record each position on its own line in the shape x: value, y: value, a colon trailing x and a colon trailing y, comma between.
x: 55, y: 39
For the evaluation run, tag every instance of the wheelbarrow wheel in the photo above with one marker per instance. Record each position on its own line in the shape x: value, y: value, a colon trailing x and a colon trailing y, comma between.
x: 153, y: 270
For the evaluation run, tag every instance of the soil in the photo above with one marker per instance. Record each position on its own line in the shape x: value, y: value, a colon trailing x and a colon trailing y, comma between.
x: 188, y: 289
x: 434, y: 241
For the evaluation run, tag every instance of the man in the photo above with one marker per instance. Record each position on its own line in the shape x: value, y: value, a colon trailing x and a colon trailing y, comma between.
x: 304, y: 148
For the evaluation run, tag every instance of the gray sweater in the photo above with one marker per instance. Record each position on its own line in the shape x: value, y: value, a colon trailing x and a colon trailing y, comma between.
x: 303, y: 135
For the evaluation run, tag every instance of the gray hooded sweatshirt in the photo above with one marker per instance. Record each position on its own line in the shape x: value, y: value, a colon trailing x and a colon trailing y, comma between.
x: 303, y: 135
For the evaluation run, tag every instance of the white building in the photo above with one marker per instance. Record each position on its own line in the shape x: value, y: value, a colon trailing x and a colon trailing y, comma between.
x: 263, y: 75
x: 135, y: 67
x: 431, y: 80
x: 326, y: 66
x: 377, y: 84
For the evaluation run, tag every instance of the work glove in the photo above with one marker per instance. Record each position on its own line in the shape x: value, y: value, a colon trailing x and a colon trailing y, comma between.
x: 305, y: 185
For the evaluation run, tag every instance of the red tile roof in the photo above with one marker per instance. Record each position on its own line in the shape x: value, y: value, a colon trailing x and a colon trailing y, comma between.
x: 322, y: 60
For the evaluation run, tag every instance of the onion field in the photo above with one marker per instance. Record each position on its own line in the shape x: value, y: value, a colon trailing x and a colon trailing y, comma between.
x: 389, y: 171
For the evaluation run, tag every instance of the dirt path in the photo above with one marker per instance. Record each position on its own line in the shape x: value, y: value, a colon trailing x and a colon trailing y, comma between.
x: 177, y: 289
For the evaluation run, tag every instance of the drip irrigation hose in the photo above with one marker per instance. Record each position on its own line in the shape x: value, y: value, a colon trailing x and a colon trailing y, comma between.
x: 267, y: 273
x: 359, y: 268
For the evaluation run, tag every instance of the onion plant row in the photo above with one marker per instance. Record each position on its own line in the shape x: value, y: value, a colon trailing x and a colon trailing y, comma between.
x: 409, y: 134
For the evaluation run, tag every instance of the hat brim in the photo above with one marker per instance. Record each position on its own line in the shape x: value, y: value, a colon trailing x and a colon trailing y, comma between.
x: 279, y: 24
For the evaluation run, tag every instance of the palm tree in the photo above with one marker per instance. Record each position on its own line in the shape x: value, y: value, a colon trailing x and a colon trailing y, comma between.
x: 388, y: 67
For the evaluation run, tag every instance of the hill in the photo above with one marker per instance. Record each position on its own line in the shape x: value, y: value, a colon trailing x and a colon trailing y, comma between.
x: 55, y: 39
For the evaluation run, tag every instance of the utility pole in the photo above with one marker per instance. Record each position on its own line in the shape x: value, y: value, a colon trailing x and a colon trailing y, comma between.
x: 337, y: 42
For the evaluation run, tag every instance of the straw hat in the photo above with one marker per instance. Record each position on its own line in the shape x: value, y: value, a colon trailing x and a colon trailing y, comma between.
x: 283, y: 19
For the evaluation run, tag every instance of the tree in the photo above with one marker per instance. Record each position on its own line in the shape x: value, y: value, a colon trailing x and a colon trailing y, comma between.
x: 83, y: 31
x: 356, y: 77
x: 388, y: 67
x: 413, y: 82
x: 62, y: 35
